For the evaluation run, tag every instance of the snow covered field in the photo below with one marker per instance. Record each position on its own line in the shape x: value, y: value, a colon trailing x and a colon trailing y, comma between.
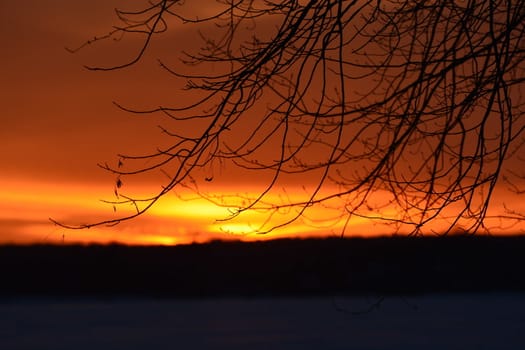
x: 454, y: 321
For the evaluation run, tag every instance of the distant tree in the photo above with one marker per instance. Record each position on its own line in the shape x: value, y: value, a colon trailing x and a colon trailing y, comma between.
x: 411, y: 104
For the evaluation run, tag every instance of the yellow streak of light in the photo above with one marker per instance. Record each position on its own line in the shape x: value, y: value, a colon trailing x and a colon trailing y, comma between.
x: 26, y: 205
x: 171, y: 221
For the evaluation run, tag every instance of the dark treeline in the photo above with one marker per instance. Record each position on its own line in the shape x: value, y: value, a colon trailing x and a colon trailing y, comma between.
x: 279, y: 267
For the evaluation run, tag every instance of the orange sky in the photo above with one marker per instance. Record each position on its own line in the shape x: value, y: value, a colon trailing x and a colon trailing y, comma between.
x: 58, y: 122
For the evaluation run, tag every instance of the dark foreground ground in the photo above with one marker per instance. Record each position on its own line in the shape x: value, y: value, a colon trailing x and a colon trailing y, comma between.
x: 382, y: 266
x: 433, y: 293
x: 431, y: 322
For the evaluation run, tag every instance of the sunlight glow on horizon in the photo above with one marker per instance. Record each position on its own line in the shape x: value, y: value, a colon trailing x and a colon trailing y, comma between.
x: 26, y: 206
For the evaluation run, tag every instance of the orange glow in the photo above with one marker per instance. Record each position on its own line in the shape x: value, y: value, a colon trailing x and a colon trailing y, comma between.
x: 26, y: 206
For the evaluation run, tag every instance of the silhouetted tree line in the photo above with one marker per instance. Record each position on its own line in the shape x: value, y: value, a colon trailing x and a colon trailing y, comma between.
x: 382, y: 266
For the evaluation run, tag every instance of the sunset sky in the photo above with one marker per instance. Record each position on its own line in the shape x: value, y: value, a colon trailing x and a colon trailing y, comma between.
x: 58, y: 121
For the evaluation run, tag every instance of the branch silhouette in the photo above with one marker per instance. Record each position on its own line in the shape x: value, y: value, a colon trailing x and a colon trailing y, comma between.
x: 418, y: 102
